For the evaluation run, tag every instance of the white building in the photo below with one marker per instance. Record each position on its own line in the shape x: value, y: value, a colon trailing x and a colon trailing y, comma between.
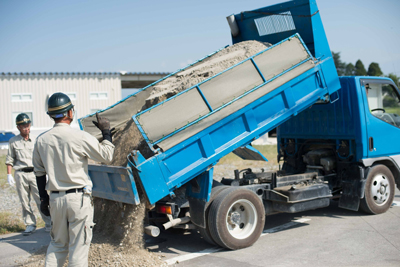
x: 89, y: 92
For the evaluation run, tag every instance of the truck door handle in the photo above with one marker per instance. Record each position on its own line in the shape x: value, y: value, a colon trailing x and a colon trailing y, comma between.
x: 371, y: 144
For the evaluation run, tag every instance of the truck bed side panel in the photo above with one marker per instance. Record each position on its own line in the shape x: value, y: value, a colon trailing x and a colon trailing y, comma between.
x: 194, y: 155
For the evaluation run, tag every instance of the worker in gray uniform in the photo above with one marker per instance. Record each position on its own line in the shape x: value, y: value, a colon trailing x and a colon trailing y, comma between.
x: 19, y: 157
x: 62, y: 153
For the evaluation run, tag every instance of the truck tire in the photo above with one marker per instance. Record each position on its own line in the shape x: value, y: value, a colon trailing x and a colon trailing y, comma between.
x: 205, y: 232
x: 379, y: 190
x: 236, y: 218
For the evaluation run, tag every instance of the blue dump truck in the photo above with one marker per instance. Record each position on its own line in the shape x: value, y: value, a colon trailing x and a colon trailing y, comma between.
x: 337, y: 136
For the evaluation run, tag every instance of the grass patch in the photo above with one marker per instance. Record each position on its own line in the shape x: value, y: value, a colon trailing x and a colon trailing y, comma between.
x: 39, y: 222
x: 8, y: 224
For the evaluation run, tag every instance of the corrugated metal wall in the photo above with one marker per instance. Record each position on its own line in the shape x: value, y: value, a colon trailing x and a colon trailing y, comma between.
x: 41, y: 86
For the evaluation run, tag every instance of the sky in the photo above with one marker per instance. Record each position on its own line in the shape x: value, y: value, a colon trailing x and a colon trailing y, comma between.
x: 164, y: 36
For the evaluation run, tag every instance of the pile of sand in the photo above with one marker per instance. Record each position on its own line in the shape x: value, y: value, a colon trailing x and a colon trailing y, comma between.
x: 118, y: 234
x: 203, y: 70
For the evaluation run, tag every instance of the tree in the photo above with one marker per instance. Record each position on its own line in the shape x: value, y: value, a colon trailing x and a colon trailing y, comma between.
x: 390, y: 98
x: 395, y: 78
x: 340, y: 66
x: 374, y: 69
x: 360, y: 69
x: 350, y: 70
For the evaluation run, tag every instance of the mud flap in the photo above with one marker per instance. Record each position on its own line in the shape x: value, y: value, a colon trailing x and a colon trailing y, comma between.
x: 198, y: 193
x: 353, y: 188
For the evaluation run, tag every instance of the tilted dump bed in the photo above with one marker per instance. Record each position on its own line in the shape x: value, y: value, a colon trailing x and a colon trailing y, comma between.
x: 192, y: 130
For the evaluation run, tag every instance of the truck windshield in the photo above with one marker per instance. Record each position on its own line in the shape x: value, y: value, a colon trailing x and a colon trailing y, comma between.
x: 383, y: 102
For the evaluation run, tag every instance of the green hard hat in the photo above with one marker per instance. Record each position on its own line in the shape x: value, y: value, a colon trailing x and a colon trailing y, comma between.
x: 22, y: 118
x: 58, y: 104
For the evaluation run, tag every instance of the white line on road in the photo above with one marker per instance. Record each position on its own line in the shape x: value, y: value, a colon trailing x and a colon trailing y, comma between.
x: 216, y: 249
x: 396, y: 204
x: 192, y: 255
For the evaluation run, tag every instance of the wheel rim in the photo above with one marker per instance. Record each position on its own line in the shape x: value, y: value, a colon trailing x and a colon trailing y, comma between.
x: 241, y: 219
x: 380, y: 189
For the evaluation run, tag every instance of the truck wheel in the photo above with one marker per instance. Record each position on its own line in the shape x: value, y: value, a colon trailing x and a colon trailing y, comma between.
x: 205, y: 232
x: 379, y: 190
x: 236, y: 218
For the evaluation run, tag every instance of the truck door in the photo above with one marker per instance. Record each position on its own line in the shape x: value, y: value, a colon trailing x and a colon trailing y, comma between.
x: 382, y: 112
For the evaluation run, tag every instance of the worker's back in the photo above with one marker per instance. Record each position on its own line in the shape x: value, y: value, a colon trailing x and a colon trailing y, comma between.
x: 64, y: 154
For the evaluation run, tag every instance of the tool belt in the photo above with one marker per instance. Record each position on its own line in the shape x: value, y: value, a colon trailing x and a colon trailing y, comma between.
x: 74, y: 190
x: 26, y: 169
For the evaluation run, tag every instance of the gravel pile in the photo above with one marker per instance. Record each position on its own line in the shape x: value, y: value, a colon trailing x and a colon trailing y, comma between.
x: 10, y: 203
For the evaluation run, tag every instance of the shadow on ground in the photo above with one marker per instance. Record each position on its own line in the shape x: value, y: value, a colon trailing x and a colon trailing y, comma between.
x: 175, y: 242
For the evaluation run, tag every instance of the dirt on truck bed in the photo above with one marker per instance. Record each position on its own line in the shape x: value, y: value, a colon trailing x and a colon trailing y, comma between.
x: 118, y: 234
x: 128, y: 137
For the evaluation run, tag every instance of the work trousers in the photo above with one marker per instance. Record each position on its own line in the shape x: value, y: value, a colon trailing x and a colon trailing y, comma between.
x: 27, y: 187
x: 72, y: 226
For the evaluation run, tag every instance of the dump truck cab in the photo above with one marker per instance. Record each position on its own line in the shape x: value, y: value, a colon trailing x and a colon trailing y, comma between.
x: 382, y: 114
x: 347, y: 138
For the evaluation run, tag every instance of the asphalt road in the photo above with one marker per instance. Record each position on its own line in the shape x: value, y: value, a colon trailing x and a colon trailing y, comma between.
x: 325, y: 237
x: 15, y: 248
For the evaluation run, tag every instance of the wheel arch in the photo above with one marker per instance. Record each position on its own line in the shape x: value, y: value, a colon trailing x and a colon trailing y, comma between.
x: 388, y: 162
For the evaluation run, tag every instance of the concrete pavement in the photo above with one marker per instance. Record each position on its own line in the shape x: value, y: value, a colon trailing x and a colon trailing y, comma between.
x: 16, y: 248
x: 324, y: 237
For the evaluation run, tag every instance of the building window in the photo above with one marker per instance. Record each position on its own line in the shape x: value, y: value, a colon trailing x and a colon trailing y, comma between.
x: 15, y: 114
x: 98, y: 95
x: 71, y: 96
x: 21, y: 97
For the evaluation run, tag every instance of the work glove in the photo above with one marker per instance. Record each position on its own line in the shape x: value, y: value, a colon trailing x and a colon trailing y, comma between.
x: 10, y: 179
x: 44, y: 206
x: 102, y: 123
